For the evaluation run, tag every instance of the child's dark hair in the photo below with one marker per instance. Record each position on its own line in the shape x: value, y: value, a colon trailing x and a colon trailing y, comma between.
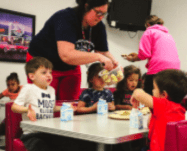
x: 81, y: 10
x: 153, y: 19
x: 144, y: 76
x: 93, y: 70
x: 13, y: 76
x: 174, y: 82
x: 129, y: 70
x: 36, y: 63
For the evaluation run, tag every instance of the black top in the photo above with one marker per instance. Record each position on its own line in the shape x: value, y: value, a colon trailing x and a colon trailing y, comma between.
x: 65, y: 25
x: 122, y: 97
x: 91, y: 96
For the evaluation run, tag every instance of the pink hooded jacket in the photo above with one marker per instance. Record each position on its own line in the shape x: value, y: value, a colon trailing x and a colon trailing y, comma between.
x: 158, y: 46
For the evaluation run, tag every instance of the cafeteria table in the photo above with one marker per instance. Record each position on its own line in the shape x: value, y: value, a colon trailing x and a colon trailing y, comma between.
x: 91, y: 127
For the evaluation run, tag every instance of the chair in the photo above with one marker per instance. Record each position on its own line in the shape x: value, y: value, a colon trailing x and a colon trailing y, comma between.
x: 13, y: 130
x: 176, y: 136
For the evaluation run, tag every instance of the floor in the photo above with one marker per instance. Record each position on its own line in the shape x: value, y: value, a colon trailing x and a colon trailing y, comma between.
x: 2, y: 143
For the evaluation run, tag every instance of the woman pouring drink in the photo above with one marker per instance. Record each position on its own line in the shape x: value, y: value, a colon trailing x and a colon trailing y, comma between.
x: 67, y: 39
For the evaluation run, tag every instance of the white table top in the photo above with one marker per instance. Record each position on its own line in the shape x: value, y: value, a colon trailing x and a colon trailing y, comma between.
x: 92, y: 127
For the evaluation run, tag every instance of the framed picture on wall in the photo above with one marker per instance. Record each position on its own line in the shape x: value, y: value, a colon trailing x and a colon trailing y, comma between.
x: 16, y: 31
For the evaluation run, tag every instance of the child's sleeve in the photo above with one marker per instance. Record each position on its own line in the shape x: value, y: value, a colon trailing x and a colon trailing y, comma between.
x: 5, y: 92
x: 158, y: 106
x: 85, y: 97
x: 145, y: 46
x: 109, y: 96
x: 117, y: 98
x: 23, y: 96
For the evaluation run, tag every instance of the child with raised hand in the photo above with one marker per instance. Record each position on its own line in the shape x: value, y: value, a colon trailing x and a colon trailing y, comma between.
x: 12, y: 91
x: 13, y: 87
x: 89, y: 98
x: 125, y: 88
x: 170, y: 87
x: 37, y: 101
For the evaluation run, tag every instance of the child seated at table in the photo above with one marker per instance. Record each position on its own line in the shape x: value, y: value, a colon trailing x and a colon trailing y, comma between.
x: 12, y: 91
x: 37, y: 101
x: 89, y: 98
x: 170, y: 87
x: 13, y: 87
x: 125, y: 88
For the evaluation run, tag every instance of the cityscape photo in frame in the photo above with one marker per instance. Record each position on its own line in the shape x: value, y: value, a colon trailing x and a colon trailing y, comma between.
x: 16, y: 31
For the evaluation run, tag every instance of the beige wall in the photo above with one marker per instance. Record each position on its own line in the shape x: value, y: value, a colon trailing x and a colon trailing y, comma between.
x: 173, y: 13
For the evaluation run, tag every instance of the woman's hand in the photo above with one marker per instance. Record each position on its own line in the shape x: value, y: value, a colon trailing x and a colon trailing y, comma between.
x: 31, y: 113
x: 115, y: 63
x: 132, y: 57
x: 108, y: 64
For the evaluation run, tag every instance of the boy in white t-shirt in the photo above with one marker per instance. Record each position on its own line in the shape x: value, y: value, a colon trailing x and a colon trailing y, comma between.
x: 37, y: 101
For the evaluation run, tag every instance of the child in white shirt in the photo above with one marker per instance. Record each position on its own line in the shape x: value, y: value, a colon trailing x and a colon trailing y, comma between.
x: 37, y: 101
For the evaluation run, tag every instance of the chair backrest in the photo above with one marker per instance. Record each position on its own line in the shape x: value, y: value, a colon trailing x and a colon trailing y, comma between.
x: 13, y: 129
x: 176, y: 136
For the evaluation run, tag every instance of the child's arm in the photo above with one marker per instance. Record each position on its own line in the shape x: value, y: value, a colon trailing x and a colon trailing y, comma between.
x: 148, y: 121
x: 143, y: 97
x: 21, y: 109
x: 123, y: 107
x: 56, y: 108
x: 82, y: 109
x: 1, y: 95
x: 111, y: 106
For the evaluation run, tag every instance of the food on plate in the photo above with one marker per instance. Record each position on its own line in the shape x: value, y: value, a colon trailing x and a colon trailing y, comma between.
x: 122, y: 111
x: 120, y: 117
x: 125, y: 113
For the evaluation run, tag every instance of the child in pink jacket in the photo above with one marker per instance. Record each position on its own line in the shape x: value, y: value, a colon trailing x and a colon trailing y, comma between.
x: 158, y: 46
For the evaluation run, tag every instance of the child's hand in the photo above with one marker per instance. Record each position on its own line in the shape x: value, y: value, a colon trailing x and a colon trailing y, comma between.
x: 73, y: 106
x: 31, y: 113
x: 94, y: 106
x: 134, y: 102
x: 111, y: 106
